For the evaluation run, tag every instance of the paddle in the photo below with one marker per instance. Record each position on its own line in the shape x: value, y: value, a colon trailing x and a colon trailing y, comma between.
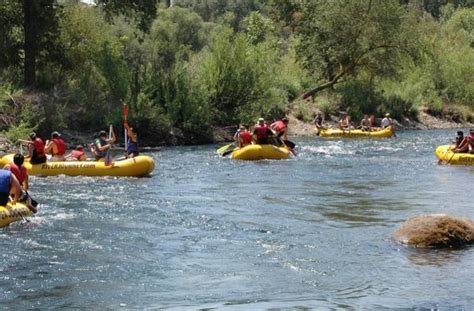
x: 227, y: 152
x: 225, y: 148
x: 290, y: 144
x: 108, y: 160
x: 125, y: 115
x: 34, y: 203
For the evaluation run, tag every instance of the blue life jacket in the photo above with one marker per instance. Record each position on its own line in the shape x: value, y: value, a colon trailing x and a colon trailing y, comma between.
x: 132, y: 147
x: 5, y: 179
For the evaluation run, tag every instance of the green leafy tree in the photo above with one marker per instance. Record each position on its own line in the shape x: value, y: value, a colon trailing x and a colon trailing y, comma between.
x: 40, y: 25
x: 259, y: 27
x: 341, y: 38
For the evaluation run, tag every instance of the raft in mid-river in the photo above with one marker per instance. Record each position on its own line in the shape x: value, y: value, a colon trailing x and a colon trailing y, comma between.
x: 134, y: 167
x: 383, y: 133
x: 260, y: 152
x: 445, y: 154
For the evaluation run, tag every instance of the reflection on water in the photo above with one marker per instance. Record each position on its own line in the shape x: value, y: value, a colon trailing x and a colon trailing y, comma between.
x: 210, y: 232
x: 437, y: 258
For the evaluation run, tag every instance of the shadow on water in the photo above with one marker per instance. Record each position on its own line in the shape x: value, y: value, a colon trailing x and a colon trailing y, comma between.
x: 436, y: 257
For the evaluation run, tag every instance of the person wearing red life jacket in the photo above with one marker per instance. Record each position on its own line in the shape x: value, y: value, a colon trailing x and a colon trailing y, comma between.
x: 35, y: 148
x: 467, y: 144
x: 262, y: 132
x: 21, y: 174
x: 243, y: 137
x: 77, y: 154
x: 280, y: 128
x: 56, y: 147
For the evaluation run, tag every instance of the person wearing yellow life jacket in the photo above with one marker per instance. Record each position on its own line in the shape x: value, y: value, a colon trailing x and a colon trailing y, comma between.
x: 35, y: 148
x: 56, y: 147
x: 280, y: 128
x: 9, y: 186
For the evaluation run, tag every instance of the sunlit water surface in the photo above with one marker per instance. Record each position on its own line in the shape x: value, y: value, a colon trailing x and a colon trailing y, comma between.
x: 210, y: 232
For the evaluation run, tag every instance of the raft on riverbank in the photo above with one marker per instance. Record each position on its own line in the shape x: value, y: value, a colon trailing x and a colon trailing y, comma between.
x: 134, y: 167
x: 357, y: 133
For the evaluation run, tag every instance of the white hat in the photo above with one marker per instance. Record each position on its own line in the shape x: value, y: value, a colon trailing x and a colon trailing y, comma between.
x: 261, y: 120
x: 387, y: 114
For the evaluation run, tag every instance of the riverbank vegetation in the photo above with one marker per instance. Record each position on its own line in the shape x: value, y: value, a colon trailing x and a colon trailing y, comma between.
x: 186, y: 69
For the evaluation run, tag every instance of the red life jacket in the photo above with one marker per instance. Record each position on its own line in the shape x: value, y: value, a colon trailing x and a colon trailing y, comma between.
x: 470, y: 141
x: 19, y: 172
x: 278, y: 126
x: 261, y: 131
x: 77, y: 154
x: 59, y: 142
x: 39, y: 146
x: 246, y: 137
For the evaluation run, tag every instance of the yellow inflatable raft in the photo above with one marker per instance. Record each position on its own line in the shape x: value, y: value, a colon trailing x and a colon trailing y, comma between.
x: 444, y: 153
x: 138, y: 166
x: 383, y: 133
x: 260, y: 152
x: 9, y: 214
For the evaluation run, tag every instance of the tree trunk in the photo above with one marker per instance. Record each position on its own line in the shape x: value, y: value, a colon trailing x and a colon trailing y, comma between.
x: 30, y: 42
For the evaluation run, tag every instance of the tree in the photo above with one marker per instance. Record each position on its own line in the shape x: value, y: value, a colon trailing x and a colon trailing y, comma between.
x: 10, y: 40
x: 340, y: 38
x: 144, y: 10
x: 40, y: 26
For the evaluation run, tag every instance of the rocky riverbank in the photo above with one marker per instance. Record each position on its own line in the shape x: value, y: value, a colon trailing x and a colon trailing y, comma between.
x: 425, y: 122
x: 297, y: 128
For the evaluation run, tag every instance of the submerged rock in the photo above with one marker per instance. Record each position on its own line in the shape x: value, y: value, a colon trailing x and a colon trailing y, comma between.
x: 435, y: 231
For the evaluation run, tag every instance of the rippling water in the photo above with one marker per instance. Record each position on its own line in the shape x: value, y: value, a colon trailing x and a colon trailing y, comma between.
x: 207, y: 232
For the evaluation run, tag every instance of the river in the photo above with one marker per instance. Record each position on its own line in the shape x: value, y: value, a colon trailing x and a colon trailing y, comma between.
x: 210, y: 232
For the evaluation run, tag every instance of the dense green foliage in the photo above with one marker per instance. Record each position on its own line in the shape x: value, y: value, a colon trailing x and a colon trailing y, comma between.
x: 204, y: 63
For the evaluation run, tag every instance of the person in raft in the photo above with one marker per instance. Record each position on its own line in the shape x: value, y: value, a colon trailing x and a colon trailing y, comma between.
x: 318, y: 121
x: 56, y: 147
x: 21, y: 174
x: 345, y: 122
x: 9, y: 185
x: 459, y: 139
x: 372, y: 122
x: 280, y: 128
x: 102, y: 144
x: 262, y: 132
x: 364, y: 123
x: 467, y: 144
x: 243, y: 137
x: 77, y: 154
x: 35, y: 148
x: 387, y: 121
x: 132, y: 141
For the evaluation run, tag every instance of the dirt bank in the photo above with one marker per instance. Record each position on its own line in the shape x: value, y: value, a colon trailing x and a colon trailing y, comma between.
x: 425, y: 122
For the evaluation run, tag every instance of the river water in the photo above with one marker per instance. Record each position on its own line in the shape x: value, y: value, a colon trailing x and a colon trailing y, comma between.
x: 210, y: 232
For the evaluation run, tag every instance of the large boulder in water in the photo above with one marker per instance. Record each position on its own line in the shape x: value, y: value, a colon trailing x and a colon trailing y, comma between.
x: 435, y: 231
